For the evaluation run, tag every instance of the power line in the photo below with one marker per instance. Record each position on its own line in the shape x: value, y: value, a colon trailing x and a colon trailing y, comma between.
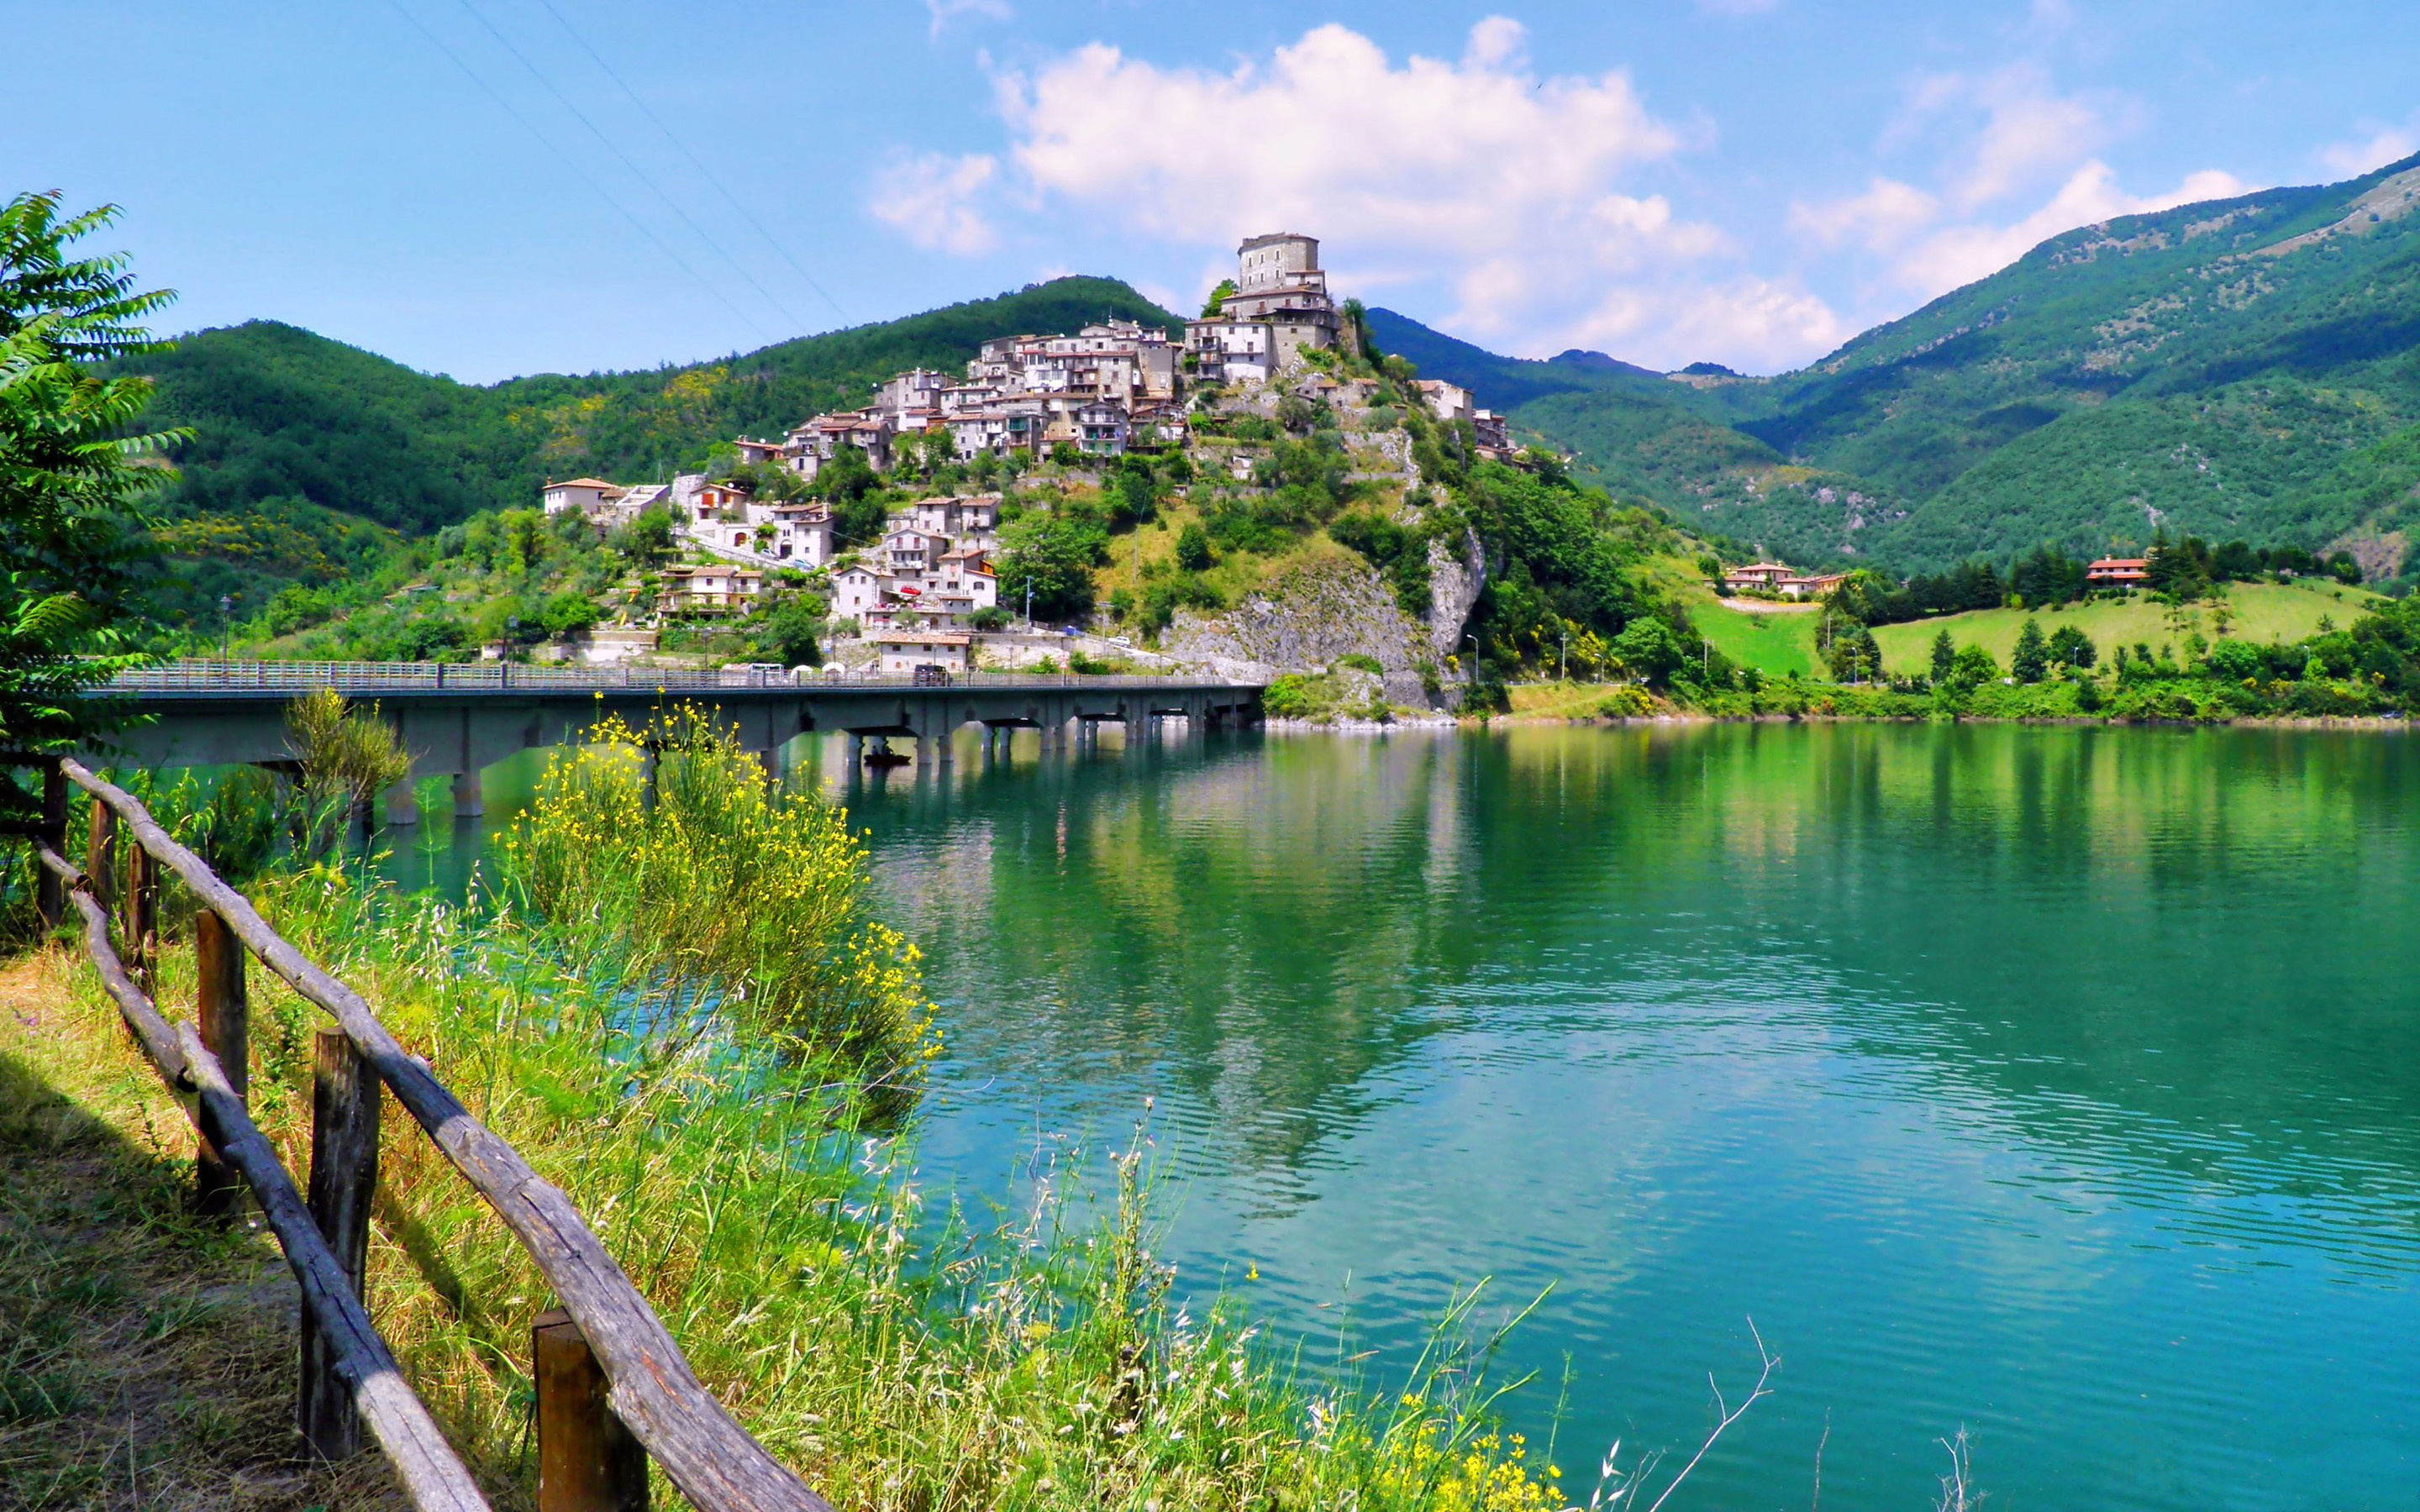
x: 623, y: 158
x: 734, y: 201
x: 565, y: 158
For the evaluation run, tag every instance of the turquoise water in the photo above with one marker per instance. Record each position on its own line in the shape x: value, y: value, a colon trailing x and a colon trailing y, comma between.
x: 2063, y: 1085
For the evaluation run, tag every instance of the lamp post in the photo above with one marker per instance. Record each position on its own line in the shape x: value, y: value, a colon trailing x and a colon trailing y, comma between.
x: 1029, y: 604
x: 1564, y: 658
x: 512, y: 634
x: 226, y: 627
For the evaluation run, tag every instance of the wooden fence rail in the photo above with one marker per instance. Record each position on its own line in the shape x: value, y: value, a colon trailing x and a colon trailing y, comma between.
x: 645, y: 1380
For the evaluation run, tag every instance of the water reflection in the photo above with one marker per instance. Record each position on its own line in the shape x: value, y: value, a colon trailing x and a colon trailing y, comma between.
x: 2033, y: 1079
x: 2055, y: 1082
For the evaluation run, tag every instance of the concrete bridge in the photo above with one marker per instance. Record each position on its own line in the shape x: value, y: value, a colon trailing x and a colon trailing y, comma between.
x: 458, y: 720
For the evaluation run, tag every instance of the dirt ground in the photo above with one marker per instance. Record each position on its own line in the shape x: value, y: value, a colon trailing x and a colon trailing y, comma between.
x: 147, y: 1355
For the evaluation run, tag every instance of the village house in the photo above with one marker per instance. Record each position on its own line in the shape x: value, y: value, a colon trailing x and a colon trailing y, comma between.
x: 709, y: 589
x: 1781, y: 579
x: 900, y: 652
x: 603, y: 504
x: 1447, y: 401
x: 907, y: 550
x: 973, y: 521
x: 2118, y: 572
x: 860, y: 590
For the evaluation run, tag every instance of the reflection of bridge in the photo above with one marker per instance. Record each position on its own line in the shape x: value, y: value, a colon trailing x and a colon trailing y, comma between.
x: 457, y: 720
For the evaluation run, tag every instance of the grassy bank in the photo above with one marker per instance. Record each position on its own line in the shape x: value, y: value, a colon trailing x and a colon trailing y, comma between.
x: 745, y: 1155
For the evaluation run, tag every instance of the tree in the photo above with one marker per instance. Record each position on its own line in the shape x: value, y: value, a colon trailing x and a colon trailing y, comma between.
x: 1972, y: 667
x: 2030, y: 661
x: 1135, y: 504
x: 74, y: 471
x: 1945, y: 654
x: 568, y: 612
x: 647, y: 539
x: 2071, y: 647
x: 791, y: 632
x: 1649, y: 650
x: 1055, y: 555
x: 1218, y: 300
x: 1193, y: 549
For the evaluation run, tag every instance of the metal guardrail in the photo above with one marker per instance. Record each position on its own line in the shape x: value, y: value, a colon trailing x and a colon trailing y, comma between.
x: 375, y: 677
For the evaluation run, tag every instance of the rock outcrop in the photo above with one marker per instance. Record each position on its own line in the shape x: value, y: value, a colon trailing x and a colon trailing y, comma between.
x: 1310, y: 615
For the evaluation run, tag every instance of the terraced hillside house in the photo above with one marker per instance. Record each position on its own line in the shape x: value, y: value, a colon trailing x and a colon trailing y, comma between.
x: 710, y: 589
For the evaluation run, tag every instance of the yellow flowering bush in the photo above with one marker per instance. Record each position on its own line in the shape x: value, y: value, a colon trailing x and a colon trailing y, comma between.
x: 670, y: 845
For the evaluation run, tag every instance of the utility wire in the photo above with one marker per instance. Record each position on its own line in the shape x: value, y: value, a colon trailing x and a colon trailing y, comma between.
x: 737, y: 203
x: 700, y: 232
x: 546, y: 142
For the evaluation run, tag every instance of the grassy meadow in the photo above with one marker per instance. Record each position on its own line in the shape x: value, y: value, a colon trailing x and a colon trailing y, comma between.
x: 2257, y: 611
x: 1776, y: 644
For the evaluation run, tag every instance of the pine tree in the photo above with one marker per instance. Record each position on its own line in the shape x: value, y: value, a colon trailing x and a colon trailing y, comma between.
x: 1945, y: 650
x: 2030, y: 661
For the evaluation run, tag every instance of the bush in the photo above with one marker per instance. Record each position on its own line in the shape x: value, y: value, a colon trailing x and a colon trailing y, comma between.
x: 1629, y: 701
x: 1193, y: 551
x: 724, y: 883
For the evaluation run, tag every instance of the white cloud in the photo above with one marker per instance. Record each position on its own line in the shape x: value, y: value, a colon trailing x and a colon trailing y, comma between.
x: 1959, y: 255
x: 2382, y: 146
x: 1752, y: 323
x: 2005, y: 136
x: 1516, y: 185
x: 945, y: 11
x: 1881, y: 218
x: 2025, y: 131
x: 935, y: 199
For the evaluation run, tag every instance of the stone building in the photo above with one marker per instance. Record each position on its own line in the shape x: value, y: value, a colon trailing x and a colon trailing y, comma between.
x: 1280, y: 305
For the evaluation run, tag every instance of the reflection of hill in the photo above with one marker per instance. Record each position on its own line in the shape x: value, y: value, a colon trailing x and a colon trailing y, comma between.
x: 2174, y: 956
x: 1248, y: 929
x: 2182, y: 953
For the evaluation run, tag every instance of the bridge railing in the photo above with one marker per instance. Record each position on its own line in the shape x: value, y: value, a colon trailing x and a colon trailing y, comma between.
x: 371, y: 678
x: 613, y: 1388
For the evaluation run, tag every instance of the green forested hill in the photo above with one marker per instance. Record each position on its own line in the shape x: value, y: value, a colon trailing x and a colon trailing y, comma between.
x: 2248, y: 367
x: 309, y: 456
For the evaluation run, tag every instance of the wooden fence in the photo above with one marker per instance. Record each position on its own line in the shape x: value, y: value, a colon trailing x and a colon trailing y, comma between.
x: 613, y: 1388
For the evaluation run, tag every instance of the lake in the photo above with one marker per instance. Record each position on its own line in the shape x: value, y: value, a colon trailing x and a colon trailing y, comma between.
x: 2059, y: 1084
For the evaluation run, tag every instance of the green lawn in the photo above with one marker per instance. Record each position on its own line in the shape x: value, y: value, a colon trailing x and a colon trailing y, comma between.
x: 2263, y: 611
x: 1774, y: 644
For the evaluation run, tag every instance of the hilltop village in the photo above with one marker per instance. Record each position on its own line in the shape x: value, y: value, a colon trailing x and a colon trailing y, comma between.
x: 1115, y: 401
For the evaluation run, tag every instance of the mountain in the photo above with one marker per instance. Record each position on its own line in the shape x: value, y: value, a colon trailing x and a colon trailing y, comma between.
x: 310, y: 456
x: 2246, y: 367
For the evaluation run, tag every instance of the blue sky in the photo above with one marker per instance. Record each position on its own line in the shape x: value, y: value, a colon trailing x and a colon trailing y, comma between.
x: 468, y: 187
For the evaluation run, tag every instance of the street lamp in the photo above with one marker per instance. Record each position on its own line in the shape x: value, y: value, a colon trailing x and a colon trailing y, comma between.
x: 1564, y: 658
x: 226, y: 627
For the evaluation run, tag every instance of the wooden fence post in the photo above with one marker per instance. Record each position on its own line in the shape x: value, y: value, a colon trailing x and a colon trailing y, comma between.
x: 141, y: 920
x: 343, y: 1180
x: 101, y: 857
x: 223, y: 1012
x: 587, y: 1461
x: 50, y: 889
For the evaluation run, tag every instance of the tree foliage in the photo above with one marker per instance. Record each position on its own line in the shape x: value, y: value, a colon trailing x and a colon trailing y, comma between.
x: 75, y: 470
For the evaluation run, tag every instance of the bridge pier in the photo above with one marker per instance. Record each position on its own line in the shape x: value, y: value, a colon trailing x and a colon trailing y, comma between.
x: 402, y: 805
x: 468, y: 803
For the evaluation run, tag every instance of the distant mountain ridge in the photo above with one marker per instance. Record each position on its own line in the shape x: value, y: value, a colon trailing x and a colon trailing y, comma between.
x: 2246, y: 367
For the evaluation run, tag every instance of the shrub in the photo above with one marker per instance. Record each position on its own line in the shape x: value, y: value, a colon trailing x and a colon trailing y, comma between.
x: 756, y: 895
x: 1628, y: 701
